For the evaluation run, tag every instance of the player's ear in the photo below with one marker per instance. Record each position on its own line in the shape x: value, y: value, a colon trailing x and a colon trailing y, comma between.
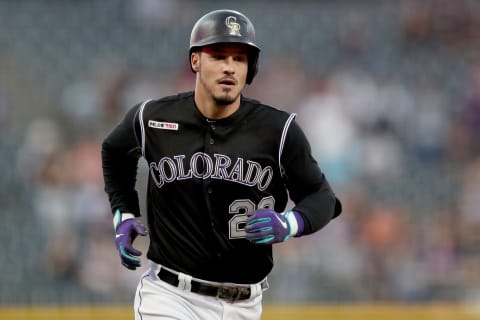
x: 195, y: 61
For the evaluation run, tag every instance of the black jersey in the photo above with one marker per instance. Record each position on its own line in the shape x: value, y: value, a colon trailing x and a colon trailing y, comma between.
x: 206, y: 175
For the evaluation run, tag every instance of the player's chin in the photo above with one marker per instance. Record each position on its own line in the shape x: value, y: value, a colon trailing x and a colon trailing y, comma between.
x: 226, y: 97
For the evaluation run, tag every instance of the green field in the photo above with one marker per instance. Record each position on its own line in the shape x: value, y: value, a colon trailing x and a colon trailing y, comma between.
x: 271, y: 312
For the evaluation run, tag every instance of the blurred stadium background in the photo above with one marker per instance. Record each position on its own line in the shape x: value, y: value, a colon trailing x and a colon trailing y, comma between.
x: 387, y: 91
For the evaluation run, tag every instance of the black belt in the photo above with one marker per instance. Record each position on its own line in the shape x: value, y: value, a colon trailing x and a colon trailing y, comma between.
x: 230, y: 293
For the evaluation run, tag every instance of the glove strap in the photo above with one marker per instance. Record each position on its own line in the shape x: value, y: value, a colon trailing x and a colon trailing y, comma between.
x: 295, y: 222
x: 292, y: 222
x: 119, y: 217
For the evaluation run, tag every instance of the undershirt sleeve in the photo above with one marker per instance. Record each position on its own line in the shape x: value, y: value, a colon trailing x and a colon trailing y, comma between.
x: 120, y: 155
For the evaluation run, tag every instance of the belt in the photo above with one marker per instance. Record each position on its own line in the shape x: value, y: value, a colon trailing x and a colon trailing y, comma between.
x: 226, y: 292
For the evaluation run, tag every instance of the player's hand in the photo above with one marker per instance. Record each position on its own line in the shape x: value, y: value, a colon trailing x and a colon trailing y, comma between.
x: 126, y: 231
x: 265, y: 226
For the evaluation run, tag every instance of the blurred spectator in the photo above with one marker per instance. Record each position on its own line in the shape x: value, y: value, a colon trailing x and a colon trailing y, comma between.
x: 466, y: 133
x: 81, y: 101
x: 41, y: 139
x: 324, y: 115
x: 282, y: 82
x: 156, y: 13
x: 469, y: 208
x: 52, y: 193
x: 429, y: 130
x: 51, y: 203
x: 88, y: 203
x: 59, y: 257
x: 381, y: 153
x: 440, y: 256
x: 353, y: 34
x: 99, y: 270
x: 385, y: 236
x: 447, y: 22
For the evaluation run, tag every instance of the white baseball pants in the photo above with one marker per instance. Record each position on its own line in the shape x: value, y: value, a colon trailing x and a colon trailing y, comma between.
x: 156, y: 299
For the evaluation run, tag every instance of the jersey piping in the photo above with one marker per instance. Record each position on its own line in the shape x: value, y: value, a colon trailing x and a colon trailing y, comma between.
x: 282, y: 140
x: 142, y: 125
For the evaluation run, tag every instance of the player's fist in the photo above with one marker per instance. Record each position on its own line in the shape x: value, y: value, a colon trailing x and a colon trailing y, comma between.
x: 126, y: 231
x: 265, y: 226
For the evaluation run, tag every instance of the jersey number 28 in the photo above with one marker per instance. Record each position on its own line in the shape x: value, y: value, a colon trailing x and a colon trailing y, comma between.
x: 240, y: 209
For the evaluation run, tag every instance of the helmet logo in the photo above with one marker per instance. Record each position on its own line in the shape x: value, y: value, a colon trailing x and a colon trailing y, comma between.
x: 233, y: 25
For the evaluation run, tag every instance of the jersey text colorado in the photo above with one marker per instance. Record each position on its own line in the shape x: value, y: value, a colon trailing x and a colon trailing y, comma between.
x: 203, y: 166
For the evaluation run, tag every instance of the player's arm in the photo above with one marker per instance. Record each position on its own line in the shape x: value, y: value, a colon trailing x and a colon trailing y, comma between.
x: 120, y: 154
x: 308, y: 187
x: 315, y: 202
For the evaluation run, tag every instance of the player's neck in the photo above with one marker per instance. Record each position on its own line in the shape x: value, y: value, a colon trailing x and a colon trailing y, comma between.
x: 210, y: 109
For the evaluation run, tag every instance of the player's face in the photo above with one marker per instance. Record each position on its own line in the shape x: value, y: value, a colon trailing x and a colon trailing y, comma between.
x: 222, y: 72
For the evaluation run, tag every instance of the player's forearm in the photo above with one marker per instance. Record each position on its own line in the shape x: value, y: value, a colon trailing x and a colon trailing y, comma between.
x: 119, y: 173
x: 318, y: 209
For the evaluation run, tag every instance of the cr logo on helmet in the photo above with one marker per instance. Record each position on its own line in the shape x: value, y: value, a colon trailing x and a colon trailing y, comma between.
x: 231, y: 23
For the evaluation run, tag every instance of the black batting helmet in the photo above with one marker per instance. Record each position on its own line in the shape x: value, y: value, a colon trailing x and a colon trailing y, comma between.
x: 226, y: 26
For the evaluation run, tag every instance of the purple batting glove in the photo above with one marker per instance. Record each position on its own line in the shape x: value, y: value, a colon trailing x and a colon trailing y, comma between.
x: 265, y: 226
x: 125, y: 233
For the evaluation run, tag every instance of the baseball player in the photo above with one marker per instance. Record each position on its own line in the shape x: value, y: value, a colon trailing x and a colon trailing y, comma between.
x: 221, y: 168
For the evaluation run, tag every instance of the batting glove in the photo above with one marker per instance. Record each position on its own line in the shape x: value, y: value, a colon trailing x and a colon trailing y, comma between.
x: 265, y: 226
x: 127, y: 228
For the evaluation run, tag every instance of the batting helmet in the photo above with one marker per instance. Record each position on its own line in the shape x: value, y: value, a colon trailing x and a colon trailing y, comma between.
x: 226, y: 26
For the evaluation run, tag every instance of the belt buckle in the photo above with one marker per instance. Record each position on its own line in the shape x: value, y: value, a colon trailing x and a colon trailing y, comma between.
x: 233, y: 294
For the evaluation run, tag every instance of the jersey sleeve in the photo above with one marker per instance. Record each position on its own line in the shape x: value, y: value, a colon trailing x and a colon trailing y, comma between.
x: 307, y: 185
x: 120, y: 154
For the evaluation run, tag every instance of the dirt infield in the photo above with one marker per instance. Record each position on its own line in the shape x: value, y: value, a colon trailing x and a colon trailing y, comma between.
x: 271, y: 312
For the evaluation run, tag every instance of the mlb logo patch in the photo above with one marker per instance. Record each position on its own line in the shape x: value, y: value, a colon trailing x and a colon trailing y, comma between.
x: 162, y: 125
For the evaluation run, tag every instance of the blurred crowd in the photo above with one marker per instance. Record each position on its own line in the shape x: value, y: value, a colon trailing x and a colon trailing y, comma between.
x: 387, y: 92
